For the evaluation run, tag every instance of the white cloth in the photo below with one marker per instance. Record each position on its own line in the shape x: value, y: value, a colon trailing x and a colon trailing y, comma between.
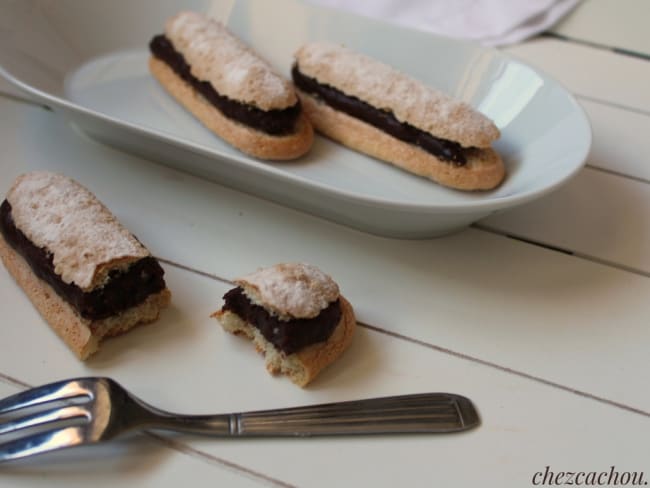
x: 490, y: 22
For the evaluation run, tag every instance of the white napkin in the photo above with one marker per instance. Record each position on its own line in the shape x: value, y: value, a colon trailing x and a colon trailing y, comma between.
x: 490, y: 22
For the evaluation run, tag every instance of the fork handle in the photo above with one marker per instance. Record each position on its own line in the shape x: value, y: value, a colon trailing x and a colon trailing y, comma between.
x: 419, y: 413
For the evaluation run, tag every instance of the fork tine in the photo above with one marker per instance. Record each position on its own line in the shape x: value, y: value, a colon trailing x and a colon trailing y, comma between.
x: 60, y: 390
x: 44, y: 418
x: 42, y: 442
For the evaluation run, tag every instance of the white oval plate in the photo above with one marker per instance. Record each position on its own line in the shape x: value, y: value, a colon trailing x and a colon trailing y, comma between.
x: 88, y: 59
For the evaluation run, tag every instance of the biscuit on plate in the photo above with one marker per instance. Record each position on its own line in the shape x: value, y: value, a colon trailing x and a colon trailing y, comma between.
x: 87, y: 275
x: 377, y: 110
x: 228, y: 87
x: 294, y: 314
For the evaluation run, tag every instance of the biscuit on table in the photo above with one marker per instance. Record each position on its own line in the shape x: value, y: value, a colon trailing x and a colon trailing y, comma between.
x: 87, y: 275
x: 294, y: 314
x: 375, y: 109
x: 229, y: 88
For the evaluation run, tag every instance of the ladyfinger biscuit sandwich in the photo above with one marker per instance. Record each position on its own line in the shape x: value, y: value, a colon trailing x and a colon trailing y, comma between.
x: 84, y: 272
x: 375, y: 109
x: 295, y: 316
x: 229, y: 88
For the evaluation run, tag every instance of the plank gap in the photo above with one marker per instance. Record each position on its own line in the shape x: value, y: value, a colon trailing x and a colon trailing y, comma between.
x: 596, y: 45
x: 575, y: 254
x: 608, y: 103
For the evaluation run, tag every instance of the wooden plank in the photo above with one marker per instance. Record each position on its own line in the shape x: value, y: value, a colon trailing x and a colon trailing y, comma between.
x: 620, y: 142
x: 597, y: 215
x: 590, y: 72
x: 622, y: 24
x: 186, y: 363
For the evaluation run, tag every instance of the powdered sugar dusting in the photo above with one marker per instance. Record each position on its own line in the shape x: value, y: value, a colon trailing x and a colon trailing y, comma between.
x: 290, y: 290
x: 60, y: 215
x: 386, y: 88
x: 233, y: 68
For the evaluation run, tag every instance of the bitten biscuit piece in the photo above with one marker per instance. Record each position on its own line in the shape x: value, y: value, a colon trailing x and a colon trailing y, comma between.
x: 85, y: 273
x: 295, y: 316
x: 373, y: 108
x: 229, y: 88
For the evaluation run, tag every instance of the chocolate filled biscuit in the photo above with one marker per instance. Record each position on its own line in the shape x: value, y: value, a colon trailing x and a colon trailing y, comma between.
x: 375, y: 109
x: 294, y: 314
x: 229, y: 88
x: 87, y: 275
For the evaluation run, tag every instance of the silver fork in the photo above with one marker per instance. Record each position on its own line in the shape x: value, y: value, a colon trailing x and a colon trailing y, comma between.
x: 89, y: 410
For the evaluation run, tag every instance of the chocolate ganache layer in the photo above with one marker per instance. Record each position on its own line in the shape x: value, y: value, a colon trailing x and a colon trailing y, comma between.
x: 443, y: 149
x: 123, y: 289
x: 273, y: 122
x: 288, y: 336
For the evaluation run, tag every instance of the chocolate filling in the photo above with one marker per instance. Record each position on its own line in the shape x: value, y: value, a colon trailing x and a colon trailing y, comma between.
x: 287, y: 336
x: 443, y: 149
x: 273, y: 122
x: 124, y: 289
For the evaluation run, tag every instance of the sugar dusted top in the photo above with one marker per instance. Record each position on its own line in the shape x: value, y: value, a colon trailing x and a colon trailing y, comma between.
x: 233, y: 68
x: 290, y: 290
x: 385, y: 88
x: 60, y: 215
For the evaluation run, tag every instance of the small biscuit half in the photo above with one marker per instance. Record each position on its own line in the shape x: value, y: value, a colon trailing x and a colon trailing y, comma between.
x: 288, y: 292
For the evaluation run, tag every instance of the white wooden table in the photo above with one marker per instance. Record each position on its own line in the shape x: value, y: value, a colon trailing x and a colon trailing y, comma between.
x: 540, y: 315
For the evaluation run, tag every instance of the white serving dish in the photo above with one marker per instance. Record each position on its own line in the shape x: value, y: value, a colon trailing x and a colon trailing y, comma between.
x: 88, y: 61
